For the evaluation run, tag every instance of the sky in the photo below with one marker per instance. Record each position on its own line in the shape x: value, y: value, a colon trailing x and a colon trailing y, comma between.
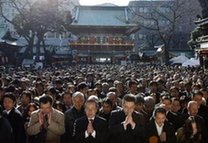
x: 97, y: 2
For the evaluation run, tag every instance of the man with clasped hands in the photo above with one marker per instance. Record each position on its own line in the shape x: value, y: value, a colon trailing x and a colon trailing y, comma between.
x: 46, y: 125
x: 126, y: 124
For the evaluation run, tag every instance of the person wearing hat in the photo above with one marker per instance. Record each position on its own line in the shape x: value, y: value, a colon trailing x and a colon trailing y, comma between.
x: 6, y: 134
x: 14, y: 117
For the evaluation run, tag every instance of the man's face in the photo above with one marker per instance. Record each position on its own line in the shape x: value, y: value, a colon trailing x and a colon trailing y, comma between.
x: 175, y: 106
x: 91, y: 109
x: 25, y: 100
x: 8, y: 103
x: 106, y: 108
x: 167, y: 104
x: 78, y: 102
x: 128, y: 107
x: 67, y: 99
x: 113, y: 99
x: 133, y: 88
x: 198, y: 99
x: 160, y: 118
x: 45, y: 108
x: 193, y: 109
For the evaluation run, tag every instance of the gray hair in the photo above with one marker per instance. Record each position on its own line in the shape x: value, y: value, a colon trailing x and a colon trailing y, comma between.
x: 77, y: 94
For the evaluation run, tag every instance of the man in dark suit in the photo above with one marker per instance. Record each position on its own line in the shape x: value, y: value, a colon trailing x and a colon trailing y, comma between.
x: 203, y: 110
x: 90, y: 128
x: 173, y: 116
x: 6, y: 134
x: 126, y: 124
x: 14, y: 117
x: 77, y: 111
x: 158, y: 129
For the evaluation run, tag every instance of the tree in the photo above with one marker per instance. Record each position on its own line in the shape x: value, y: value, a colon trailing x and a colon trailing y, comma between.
x: 163, y: 20
x: 34, y: 20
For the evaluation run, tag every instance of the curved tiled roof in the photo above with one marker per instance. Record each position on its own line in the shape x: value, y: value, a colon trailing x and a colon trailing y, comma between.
x: 101, y: 15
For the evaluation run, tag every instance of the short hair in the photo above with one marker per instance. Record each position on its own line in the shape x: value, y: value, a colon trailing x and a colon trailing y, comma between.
x: 129, y: 98
x: 111, y: 93
x: 175, y: 99
x: 139, y: 98
x: 191, y: 103
x: 44, y: 99
x: 9, y: 95
x: 81, y: 86
x: 132, y: 82
x: 165, y: 97
x: 76, y: 94
x: 27, y: 94
x: 198, y: 93
x: 107, y: 101
x: 92, y: 101
x: 159, y: 110
x: 153, y: 83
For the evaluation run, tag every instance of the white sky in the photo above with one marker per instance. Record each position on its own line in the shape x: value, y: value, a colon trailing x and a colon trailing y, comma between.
x: 96, y: 2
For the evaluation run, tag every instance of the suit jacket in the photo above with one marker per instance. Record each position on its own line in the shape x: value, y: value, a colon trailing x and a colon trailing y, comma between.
x: 119, y: 134
x: 70, y: 116
x: 176, y: 119
x: 201, y: 136
x: 54, y: 130
x: 100, y: 126
x: 167, y: 128
x: 203, y: 112
x: 6, y: 135
x: 16, y: 120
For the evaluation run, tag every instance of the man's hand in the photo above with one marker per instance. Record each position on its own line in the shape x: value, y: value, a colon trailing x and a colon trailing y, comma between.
x: 163, y: 137
x: 90, y: 128
x: 131, y: 121
x: 40, y: 117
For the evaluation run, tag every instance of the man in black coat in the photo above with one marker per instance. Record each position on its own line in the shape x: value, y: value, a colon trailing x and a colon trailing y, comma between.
x: 203, y: 110
x: 126, y: 124
x: 14, y: 117
x: 173, y: 116
x: 77, y: 111
x: 90, y: 128
x: 6, y: 135
x: 159, y: 129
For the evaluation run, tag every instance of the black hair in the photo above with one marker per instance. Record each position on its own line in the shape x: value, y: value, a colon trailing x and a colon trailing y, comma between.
x: 9, y: 95
x: 45, y: 99
x: 139, y: 98
x: 129, y: 98
x: 197, y: 93
x: 132, y: 82
x: 81, y: 86
x: 159, y: 110
x: 27, y: 94
x: 107, y: 101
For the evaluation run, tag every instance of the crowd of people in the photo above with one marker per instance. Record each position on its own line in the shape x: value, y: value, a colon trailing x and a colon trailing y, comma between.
x: 104, y: 103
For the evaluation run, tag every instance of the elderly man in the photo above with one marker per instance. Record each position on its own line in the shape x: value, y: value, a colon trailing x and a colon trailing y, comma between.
x: 90, y: 128
x: 47, y: 123
x: 126, y: 124
x: 77, y: 111
x: 194, y: 129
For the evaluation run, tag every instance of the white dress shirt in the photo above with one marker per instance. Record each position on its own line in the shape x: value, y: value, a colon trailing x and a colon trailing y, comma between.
x: 93, y: 133
x: 159, y: 128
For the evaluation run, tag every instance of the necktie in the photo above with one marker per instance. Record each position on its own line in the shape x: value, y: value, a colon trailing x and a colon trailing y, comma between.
x: 91, y: 120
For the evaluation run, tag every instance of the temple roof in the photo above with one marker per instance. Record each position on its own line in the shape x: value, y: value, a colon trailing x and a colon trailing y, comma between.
x: 101, y: 16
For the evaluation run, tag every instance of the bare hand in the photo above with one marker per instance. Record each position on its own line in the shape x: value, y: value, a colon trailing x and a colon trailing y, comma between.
x: 90, y: 128
x: 131, y: 121
x: 163, y: 137
x: 40, y: 117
